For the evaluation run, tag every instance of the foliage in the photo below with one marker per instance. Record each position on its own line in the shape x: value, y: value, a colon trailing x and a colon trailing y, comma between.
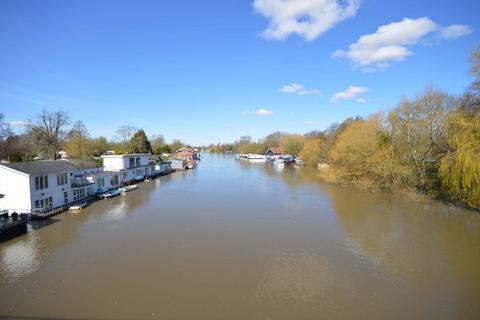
x: 460, y: 168
x: 363, y: 154
x: 140, y: 143
x: 124, y: 136
x: 418, y: 133
x: 77, y: 143
x: 292, y: 143
x: 311, y: 151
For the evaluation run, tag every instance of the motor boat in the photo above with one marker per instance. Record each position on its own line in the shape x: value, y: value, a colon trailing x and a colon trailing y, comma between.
x: 129, y: 188
x: 78, y: 206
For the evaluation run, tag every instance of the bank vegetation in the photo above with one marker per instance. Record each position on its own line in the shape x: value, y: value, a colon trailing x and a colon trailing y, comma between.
x: 429, y: 143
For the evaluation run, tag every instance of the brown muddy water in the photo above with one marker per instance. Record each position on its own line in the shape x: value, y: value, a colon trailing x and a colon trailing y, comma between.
x: 239, y: 240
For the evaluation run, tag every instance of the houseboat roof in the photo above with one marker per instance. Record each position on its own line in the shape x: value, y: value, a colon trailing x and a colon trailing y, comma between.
x: 124, y: 155
x: 185, y: 149
x: 41, y: 167
x: 276, y: 150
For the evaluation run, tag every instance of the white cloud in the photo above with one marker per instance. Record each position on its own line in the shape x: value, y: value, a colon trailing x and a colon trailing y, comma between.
x: 455, y: 31
x: 388, y: 43
x: 295, y: 88
x: 18, y: 123
x: 259, y: 112
x: 391, y: 42
x: 351, y: 93
x: 306, y: 18
x: 311, y: 122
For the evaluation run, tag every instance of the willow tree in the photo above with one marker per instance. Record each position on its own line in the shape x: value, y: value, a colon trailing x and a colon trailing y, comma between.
x: 312, y: 151
x: 292, y: 143
x: 460, y: 168
x: 363, y: 155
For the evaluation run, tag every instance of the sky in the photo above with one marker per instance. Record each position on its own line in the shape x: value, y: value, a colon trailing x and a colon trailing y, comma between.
x: 214, y: 70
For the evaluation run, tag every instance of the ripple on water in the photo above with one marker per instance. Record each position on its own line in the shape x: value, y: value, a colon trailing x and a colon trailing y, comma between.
x: 19, y: 259
x: 299, y: 277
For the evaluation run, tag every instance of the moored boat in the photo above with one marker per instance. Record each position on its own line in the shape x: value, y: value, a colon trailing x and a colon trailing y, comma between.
x: 129, y: 188
x: 252, y: 156
x: 111, y: 194
x: 279, y: 163
x: 78, y: 206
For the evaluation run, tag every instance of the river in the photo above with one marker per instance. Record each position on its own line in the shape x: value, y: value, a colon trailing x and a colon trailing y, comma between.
x: 233, y: 239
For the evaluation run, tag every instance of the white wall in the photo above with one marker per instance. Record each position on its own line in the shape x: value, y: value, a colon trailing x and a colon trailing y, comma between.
x: 16, y: 188
x: 55, y: 191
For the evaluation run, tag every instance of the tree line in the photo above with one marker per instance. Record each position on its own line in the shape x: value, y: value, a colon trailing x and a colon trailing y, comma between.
x: 429, y: 143
x: 50, y: 133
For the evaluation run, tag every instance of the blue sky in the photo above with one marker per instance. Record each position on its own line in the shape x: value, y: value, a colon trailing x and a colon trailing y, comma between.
x: 214, y: 70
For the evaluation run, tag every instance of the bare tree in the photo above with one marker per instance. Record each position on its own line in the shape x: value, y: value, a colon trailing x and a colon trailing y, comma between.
x: 124, y: 135
x: 5, y: 131
x: 49, y: 130
x: 418, y: 130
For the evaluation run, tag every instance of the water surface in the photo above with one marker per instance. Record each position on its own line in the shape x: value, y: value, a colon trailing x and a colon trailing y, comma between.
x: 239, y: 240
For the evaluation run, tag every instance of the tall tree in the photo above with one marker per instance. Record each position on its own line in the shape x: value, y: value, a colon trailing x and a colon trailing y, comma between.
x: 77, y: 140
x: 418, y: 131
x: 124, y: 135
x: 475, y: 69
x: 48, y: 129
x: 5, y: 131
x: 140, y: 143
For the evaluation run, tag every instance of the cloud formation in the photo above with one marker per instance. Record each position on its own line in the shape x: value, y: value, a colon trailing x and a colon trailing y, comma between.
x: 352, y: 93
x: 259, y: 112
x: 455, y: 31
x: 306, y: 18
x: 18, y: 123
x: 295, y: 88
x: 391, y: 42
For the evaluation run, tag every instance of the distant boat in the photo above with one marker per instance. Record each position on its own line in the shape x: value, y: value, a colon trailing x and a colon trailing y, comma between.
x: 129, y: 188
x: 288, y: 159
x: 79, y: 206
x: 299, y: 162
x: 279, y: 163
x: 111, y: 194
x: 252, y: 156
x: 148, y: 179
x: 243, y: 155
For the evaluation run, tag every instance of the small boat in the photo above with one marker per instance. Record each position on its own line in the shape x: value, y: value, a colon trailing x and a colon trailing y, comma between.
x: 299, y: 162
x: 148, y: 179
x: 243, y: 155
x: 279, y: 163
x: 111, y: 194
x: 256, y: 156
x: 190, y: 165
x: 129, y: 188
x: 78, y: 206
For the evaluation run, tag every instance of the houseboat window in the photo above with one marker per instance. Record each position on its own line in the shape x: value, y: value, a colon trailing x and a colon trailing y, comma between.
x: 114, y: 180
x: 78, y: 194
x: 41, y: 182
x: 65, y: 197
x: 137, y: 160
x: 131, y: 162
x: 61, y: 179
x: 101, y: 182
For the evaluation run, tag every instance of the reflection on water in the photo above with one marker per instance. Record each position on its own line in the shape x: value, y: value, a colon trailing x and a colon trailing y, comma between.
x: 239, y: 239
